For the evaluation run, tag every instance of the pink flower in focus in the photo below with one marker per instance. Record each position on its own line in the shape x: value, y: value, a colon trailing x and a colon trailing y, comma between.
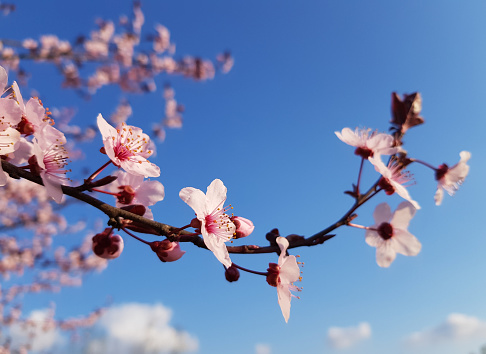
x: 134, y: 190
x: 244, y: 227
x: 390, y: 235
x: 127, y: 147
x: 167, y: 251
x: 107, y: 245
x: 393, y: 179
x: 283, y: 275
x: 368, y: 142
x: 9, y: 142
x: 216, y: 225
x: 48, y: 162
x: 451, y: 178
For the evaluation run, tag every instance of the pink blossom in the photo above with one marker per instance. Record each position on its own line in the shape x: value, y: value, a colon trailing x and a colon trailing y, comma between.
x: 244, y: 227
x: 127, y: 147
x: 216, y: 226
x: 368, y: 142
x: 36, y: 120
x: 107, y: 245
x: 393, y: 178
x: 390, y: 235
x: 10, y: 113
x: 9, y: 142
x: 283, y: 275
x: 135, y: 190
x: 451, y: 178
x: 167, y: 251
x: 48, y: 162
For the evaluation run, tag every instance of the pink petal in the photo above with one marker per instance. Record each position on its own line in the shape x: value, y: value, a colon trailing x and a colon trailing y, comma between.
x: 18, y: 95
x: 402, y: 192
x: 382, y: 143
x: 439, y: 195
x: 289, y: 270
x: 402, y: 216
x: 349, y: 137
x: 3, y: 78
x: 385, y: 254
x: 405, y: 243
x: 284, y: 297
x: 150, y: 192
x: 3, y: 175
x: 196, y: 199
x: 138, y: 165
x: 216, y: 195
x: 11, y: 112
x: 217, y: 246
x: 53, y: 188
x: 106, y: 130
x: 382, y: 213
x: 373, y: 239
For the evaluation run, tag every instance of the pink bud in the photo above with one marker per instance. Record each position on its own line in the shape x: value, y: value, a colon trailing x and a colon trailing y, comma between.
x: 167, y: 251
x: 107, y: 245
x: 244, y: 227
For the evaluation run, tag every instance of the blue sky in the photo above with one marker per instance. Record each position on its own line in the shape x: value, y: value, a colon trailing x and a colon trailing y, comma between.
x: 302, y: 71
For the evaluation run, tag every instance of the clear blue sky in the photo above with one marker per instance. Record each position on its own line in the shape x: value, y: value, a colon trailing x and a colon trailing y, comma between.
x: 303, y: 70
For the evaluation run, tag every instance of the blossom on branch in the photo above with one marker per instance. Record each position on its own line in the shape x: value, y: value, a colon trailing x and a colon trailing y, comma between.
x: 283, y: 275
x: 48, y: 162
x: 133, y: 189
x: 393, y: 178
x: 367, y: 142
x: 390, y: 235
x: 216, y: 226
x: 128, y: 148
x: 449, y: 179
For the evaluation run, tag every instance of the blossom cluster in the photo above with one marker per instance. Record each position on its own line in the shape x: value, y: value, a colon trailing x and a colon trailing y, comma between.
x: 389, y: 235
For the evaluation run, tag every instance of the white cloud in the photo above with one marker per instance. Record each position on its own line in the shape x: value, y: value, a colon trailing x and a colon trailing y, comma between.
x: 345, y: 337
x: 140, y: 328
x: 456, y: 327
x: 261, y: 348
x: 39, y: 334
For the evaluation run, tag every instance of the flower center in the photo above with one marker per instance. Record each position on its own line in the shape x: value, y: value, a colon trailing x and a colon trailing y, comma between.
x: 385, y: 230
x: 441, y: 171
x: 386, y: 186
x: 220, y: 224
x: 363, y: 152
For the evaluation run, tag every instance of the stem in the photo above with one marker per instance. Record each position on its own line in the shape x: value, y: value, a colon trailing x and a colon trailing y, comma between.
x: 424, y: 163
x: 97, y: 172
x: 359, y: 177
x: 102, y: 191
x: 249, y: 270
x: 360, y: 226
x: 135, y: 237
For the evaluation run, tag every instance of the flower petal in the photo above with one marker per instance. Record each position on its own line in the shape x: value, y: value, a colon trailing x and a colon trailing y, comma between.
x: 217, y: 246
x: 382, y: 213
x: 284, y: 297
x: 54, y: 189
x: 196, y: 199
x: 439, y: 195
x: 373, y: 239
x: 289, y: 270
x: 405, y: 243
x: 150, y: 192
x: 402, y: 216
x: 385, y: 254
x: 215, y: 195
x: 402, y: 192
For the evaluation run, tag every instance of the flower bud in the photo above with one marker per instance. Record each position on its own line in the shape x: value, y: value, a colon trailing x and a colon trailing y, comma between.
x: 167, y: 251
x: 232, y: 273
x: 244, y: 227
x: 107, y: 245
